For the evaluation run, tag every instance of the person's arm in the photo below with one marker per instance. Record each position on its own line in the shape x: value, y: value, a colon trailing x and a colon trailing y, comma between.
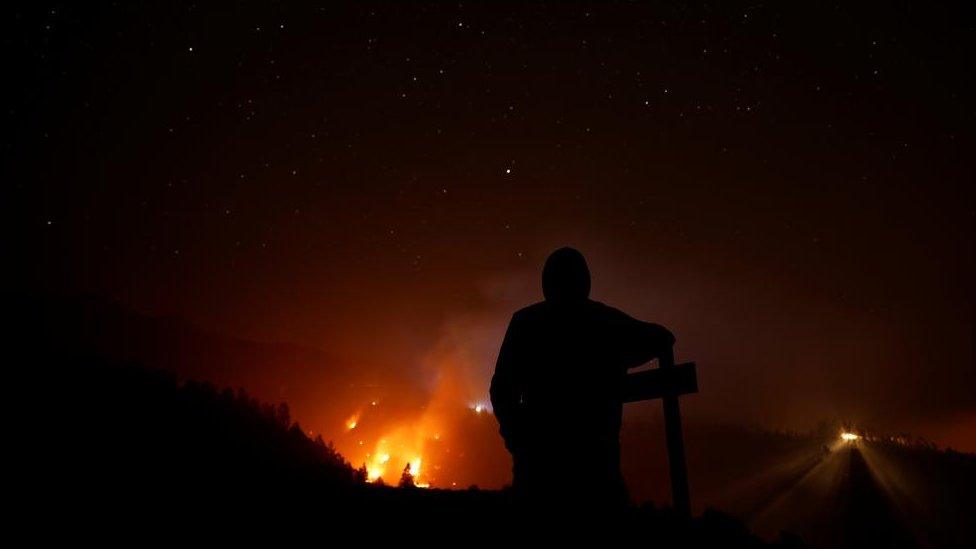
x: 505, y: 391
x: 644, y: 341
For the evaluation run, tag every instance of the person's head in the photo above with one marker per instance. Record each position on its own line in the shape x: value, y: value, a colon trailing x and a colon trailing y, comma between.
x: 566, y: 278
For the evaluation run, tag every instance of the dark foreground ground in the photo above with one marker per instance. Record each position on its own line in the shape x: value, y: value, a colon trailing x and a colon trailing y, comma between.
x: 138, y: 453
x: 107, y: 448
x: 117, y: 452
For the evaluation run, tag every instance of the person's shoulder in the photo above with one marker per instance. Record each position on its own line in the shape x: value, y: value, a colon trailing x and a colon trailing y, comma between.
x: 532, y: 311
x: 606, y: 310
x: 619, y: 318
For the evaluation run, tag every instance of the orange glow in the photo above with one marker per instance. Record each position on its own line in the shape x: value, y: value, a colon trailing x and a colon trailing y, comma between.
x: 403, y: 447
x: 849, y: 437
x: 388, y: 438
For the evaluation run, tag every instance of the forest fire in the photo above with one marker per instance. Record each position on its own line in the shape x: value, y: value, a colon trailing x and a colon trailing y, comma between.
x: 411, y: 444
x: 397, y: 451
x: 436, y: 429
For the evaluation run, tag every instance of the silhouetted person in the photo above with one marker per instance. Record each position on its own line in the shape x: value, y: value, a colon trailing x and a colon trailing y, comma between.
x: 557, y: 386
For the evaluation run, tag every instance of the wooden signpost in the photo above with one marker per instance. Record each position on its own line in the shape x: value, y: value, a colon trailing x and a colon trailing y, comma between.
x: 668, y: 382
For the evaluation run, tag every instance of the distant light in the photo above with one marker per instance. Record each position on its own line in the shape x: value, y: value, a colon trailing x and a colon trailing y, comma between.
x: 849, y: 437
x: 480, y: 407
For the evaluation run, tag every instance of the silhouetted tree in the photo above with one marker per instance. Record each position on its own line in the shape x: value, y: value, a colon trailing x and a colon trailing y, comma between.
x: 143, y: 432
x: 406, y: 479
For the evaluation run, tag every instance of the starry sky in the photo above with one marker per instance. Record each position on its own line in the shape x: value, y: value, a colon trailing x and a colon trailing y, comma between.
x: 788, y: 187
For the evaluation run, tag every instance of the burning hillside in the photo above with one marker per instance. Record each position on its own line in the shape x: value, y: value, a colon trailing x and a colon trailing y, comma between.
x: 429, y: 439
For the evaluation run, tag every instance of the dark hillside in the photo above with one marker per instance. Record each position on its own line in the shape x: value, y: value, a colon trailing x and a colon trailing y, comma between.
x: 124, y: 445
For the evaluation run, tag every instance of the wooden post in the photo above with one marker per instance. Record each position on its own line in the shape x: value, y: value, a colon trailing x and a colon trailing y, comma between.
x: 668, y: 381
x: 676, y: 445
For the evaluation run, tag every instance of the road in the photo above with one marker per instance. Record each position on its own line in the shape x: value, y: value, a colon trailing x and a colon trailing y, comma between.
x: 836, y: 499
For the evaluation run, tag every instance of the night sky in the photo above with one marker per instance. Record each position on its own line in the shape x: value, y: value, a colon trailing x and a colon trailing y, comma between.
x: 789, y: 188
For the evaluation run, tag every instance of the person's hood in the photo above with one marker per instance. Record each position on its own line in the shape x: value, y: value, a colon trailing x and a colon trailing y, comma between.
x: 566, y: 277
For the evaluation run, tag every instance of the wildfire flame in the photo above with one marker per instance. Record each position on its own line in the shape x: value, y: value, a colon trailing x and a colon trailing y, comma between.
x: 399, y: 449
x: 393, y: 434
x: 405, y: 446
x: 849, y: 437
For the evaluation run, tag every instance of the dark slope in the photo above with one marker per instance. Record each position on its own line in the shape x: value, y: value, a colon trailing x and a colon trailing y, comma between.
x: 119, y: 446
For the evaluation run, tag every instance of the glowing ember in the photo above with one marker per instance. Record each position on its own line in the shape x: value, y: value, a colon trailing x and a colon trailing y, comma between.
x: 849, y: 437
x: 352, y: 422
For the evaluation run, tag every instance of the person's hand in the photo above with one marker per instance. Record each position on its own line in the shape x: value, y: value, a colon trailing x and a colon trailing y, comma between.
x: 664, y: 336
